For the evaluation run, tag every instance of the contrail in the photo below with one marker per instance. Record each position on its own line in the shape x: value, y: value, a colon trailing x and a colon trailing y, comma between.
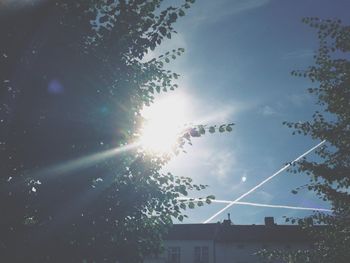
x: 275, y: 206
x: 262, y: 183
x: 260, y: 205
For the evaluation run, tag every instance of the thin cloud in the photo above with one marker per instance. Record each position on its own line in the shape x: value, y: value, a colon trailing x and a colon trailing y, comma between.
x: 223, y: 163
x: 268, y: 111
x: 213, y: 11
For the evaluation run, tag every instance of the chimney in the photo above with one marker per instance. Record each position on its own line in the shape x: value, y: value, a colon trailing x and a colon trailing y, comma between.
x: 227, y: 222
x: 269, y: 221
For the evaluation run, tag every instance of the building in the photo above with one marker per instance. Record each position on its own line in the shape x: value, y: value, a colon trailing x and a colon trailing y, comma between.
x: 225, y: 242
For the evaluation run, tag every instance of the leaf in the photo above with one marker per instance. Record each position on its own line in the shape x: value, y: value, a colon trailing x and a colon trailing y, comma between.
x: 162, y: 30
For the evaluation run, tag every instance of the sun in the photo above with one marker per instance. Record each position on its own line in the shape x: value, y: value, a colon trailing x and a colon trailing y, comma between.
x: 165, y: 119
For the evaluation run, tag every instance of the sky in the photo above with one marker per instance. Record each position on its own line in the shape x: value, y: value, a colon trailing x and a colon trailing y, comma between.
x: 236, y: 68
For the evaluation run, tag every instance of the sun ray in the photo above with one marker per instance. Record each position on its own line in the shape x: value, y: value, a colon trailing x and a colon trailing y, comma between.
x: 83, y: 162
x: 165, y: 120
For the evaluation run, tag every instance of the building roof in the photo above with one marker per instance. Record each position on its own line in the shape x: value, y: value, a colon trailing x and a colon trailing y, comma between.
x: 222, y: 232
x: 192, y: 232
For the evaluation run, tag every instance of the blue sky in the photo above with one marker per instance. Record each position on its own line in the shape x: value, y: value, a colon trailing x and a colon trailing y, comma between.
x: 236, y: 68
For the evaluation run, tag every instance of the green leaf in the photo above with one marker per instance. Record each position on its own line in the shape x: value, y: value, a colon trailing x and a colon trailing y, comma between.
x: 162, y: 30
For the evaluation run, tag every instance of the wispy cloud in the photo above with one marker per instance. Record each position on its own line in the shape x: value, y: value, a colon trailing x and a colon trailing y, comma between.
x: 267, y: 111
x: 222, y: 164
x: 214, y: 111
x: 212, y: 11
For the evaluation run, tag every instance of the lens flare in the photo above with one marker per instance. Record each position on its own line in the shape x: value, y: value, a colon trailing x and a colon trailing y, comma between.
x: 165, y: 120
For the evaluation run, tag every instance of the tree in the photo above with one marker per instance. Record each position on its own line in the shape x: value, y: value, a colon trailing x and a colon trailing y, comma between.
x: 330, y: 174
x: 75, y: 83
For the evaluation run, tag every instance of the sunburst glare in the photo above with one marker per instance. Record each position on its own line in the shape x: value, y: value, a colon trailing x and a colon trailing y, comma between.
x: 165, y: 120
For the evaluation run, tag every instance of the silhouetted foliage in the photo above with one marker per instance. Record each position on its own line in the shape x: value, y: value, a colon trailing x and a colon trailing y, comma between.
x: 73, y: 82
x: 330, y: 174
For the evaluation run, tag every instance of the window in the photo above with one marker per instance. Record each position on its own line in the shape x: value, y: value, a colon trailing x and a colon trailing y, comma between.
x: 201, y: 255
x: 173, y: 255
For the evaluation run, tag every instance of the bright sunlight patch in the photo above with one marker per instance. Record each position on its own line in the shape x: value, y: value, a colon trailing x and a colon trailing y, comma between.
x: 165, y: 122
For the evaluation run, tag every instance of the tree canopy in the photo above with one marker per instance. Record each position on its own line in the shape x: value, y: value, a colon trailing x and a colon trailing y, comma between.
x: 74, y: 83
x: 329, y: 173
